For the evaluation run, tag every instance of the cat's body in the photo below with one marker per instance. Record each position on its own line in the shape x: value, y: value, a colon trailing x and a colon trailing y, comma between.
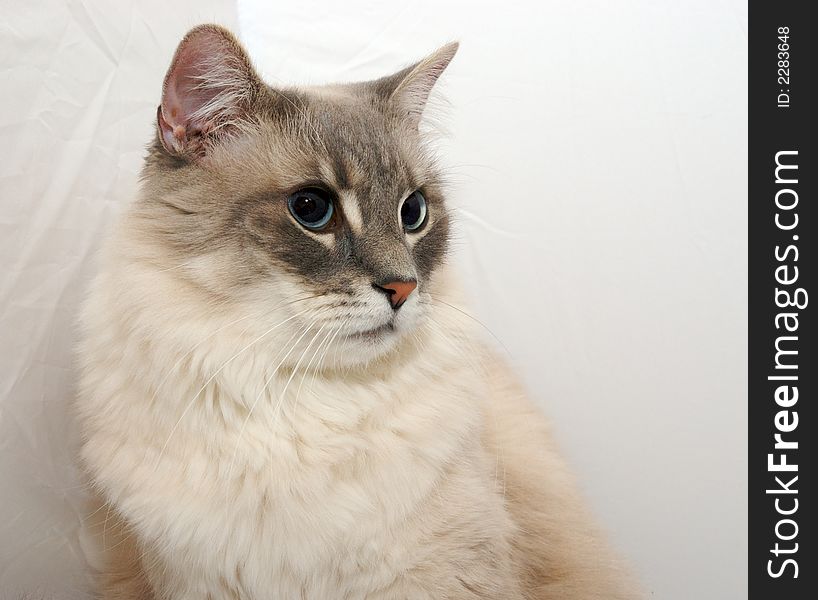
x: 248, y: 445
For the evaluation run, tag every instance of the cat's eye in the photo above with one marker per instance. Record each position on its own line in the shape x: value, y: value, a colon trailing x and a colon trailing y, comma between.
x: 312, y: 207
x: 413, y: 211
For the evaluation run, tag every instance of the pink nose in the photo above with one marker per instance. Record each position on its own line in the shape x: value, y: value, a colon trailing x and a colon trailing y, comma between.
x: 397, y: 291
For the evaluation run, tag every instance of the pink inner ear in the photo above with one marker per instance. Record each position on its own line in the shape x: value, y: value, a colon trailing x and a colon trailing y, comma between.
x: 192, y: 90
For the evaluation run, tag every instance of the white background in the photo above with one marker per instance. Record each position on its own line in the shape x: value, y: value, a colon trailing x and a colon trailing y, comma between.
x: 599, y: 154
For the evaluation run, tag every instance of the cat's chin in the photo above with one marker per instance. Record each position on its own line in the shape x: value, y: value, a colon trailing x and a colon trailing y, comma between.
x: 370, y: 345
x: 376, y: 333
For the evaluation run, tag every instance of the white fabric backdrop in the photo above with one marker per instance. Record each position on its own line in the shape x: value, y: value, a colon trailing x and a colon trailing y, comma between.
x: 599, y: 151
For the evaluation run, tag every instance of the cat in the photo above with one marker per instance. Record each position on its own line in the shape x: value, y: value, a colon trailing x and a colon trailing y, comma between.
x: 280, y: 395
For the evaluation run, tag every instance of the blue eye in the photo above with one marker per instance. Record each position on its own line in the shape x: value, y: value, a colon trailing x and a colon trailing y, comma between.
x: 413, y: 211
x: 312, y: 207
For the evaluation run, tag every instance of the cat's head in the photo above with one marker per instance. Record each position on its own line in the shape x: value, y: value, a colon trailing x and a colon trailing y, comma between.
x: 320, y: 208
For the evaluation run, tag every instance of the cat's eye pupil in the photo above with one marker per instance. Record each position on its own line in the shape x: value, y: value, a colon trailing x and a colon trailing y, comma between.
x: 306, y: 208
x: 311, y: 207
x: 413, y: 211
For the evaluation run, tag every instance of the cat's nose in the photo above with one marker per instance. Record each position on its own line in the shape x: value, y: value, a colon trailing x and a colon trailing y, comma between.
x: 396, y: 291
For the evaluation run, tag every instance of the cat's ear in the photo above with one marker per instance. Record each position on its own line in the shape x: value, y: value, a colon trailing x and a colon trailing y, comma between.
x: 407, y: 91
x: 208, y: 88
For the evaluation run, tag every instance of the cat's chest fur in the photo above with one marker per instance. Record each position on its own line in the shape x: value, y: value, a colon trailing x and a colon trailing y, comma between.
x: 312, y: 486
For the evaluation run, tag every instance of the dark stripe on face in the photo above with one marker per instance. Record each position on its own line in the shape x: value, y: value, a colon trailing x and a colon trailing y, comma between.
x: 431, y: 248
x: 271, y: 228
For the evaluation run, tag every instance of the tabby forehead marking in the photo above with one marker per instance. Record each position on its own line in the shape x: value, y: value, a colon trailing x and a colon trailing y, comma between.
x: 352, y: 211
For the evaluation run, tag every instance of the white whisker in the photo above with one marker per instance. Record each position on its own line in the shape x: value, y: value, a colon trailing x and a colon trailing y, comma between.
x: 264, y: 387
x: 294, y: 371
x: 219, y: 370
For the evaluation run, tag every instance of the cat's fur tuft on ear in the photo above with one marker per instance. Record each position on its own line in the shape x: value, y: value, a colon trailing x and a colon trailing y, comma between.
x: 407, y: 91
x: 208, y: 87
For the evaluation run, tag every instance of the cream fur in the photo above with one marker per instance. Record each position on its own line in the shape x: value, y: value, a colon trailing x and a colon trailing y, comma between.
x: 426, y: 475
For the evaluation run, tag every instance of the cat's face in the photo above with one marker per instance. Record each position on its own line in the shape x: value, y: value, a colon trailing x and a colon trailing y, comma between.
x: 320, y: 209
